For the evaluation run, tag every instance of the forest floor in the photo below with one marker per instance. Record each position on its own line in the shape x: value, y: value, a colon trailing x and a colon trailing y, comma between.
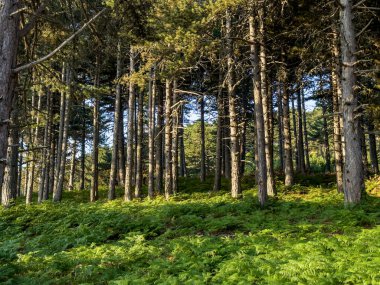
x: 305, y: 236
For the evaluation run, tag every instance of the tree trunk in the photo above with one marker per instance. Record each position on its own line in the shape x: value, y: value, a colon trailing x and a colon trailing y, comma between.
x: 326, y: 144
x: 83, y: 147
x: 57, y: 194
x: 168, y: 140
x: 280, y: 129
x: 151, y: 111
x: 295, y: 132
x: 175, y: 119
x: 139, y: 141
x: 288, y: 161
x: 301, y: 149
x: 116, y: 125
x: 121, y: 147
x: 353, y: 167
x: 232, y: 101
x: 259, y: 116
x: 9, y: 187
x: 219, y: 142
x: 159, y: 142
x: 202, y: 174
x: 131, y: 129
x: 44, y: 160
x: 72, y: 166
x: 8, y: 50
x: 183, y: 169
x: 304, y: 122
x: 94, y: 193
x: 266, y: 104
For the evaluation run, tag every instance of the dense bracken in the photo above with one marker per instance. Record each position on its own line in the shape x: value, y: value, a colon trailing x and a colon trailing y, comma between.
x: 304, y: 236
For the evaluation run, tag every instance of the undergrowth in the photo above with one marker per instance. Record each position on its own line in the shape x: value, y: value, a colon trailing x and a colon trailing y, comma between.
x: 305, y: 236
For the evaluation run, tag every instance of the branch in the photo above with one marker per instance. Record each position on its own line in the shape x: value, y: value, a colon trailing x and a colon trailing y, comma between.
x: 68, y: 40
x: 32, y: 21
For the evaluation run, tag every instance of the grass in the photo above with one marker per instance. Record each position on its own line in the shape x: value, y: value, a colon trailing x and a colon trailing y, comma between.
x: 305, y: 236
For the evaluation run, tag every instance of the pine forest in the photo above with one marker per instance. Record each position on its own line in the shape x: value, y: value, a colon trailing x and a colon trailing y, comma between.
x: 189, y: 142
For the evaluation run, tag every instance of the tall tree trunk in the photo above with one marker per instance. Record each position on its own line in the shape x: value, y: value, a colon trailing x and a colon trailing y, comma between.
x: 266, y: 104
x: 62, y: 146
x: 226, y: 139
x: 353, y: 167
x: 121, y: 148
x: 326, y: 144
x: 259, y: 116
x: 139, y: 141
x: 295, y: 132
x: 301, y: 149
x: 183, y: 169
x: 8, y: 50
x: 159, y: 142
x: 44, y: 160
x: 9, y: 187
x: 116, y: 125
x: 175, y: 119
x: 131, y: 129
x: 304, y: 122
x: 72, y: 166
x: 94, y: 193
x: 336, y: 99
x: 62, y: 109
x: 31, y: 146
x: 49, y: 150
x: 232, y: 101
x: 202, y: 174
x: 243, y: 133
x: 83, y: 147
x: 168, y: 140
x: 280, y: 128
x: 219, y: 133
x: 288, y: 161
x: 151, y: 111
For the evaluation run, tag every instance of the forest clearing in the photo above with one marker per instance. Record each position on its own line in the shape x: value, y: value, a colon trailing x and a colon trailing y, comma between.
x: 189, y: 142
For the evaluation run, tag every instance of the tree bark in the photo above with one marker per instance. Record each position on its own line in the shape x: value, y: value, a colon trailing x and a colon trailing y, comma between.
x: 57, y: 195
x: 151, y: 111
x: 116, y: 125
x: 139, y: 141
x: 168, y: 140
x: 72, y: 166
x: 304, y: 122
x: 288, y: 160
x: 159, y: 142
x: 94, y: 193
x: 295, y: 132
x: 280, y: 128
x: 202, y: 174
x: 266, y: 103
x: 131, y: 128
x: 301, y: 149
x: 9, y: 187
x: 353, y: 167
x: 83, y: 147
x: 259, y: 116
x: 175, y: 119
x: 232, y: 101
x: 8, y: 50
x: 183, y: 169
x: 219, y: 142
x: 326, y: 144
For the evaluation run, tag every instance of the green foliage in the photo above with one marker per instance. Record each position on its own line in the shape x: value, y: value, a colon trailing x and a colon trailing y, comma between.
x: 305, y: 236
